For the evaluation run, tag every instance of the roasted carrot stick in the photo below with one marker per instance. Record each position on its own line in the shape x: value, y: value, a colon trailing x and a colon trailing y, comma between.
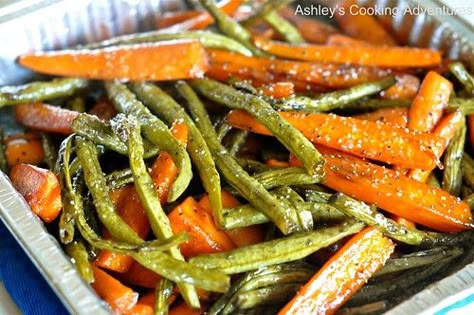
x: 276, y: 163
x: 103, y: 109
x: 373, y: 140
x: 312, y: 30
x: 428, y: 105
x: 149, y: 298
x: 153, y: 61
x: 138, y: 275
x: 278, y: 90
x: 164, y: 171
x: 405, y: 88
x: 361, y: 26
x: 40, y: 188
x: 168, y: 19
x: 396, y: 116
x: 392, y: 57
x: 140, y: 309
x: 45, y: 117
x: 470, y: 122
x: 445, y: 130
x: 190, y: 217
x: 343, y: 40
x: 241, y: 236
x: 343, y: 275
x: 119, y: 297
x: 224, y: 63
x: 394, y: 193
x: 183, y: 309
x: 25, y: 148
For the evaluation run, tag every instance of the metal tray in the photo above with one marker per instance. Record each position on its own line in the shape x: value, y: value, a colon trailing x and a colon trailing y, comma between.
x: 52, y: 24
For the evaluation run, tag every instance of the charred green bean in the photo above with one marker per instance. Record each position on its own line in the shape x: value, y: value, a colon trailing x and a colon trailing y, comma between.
x: 452, y: 175
x: 80, y: 257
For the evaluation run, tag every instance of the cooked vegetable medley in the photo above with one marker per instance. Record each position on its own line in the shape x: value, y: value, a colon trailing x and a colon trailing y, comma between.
x: 268, y: 164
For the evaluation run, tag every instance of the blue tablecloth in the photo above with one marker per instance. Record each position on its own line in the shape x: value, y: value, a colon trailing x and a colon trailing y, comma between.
x: 23, y: 282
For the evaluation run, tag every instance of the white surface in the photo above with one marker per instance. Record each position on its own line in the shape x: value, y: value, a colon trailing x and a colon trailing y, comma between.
x: 7, y: 306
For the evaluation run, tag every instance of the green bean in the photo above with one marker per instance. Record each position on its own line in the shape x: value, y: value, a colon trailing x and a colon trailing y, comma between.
x: 230, y: 27
x: 303, y: 215
x: 157, y: 132
x: 289, y: 32
x: 264, y: 9
x: 253, y: 166
x: 369, y: 308
x: 50, y: 155
x: 40, y: 91
x: 465, y: 105
x: 418, y: 259
x: 207, y: 39
x: 452, y: 175
x: 164, y: 289
x: 470, y: 201
x: 77, y: 104
x: 289, y: 248
x: 269, y: 295
x: 119, y: 178
x: 330, y: 101
x: 460, y: 72
x: 240, y: 180
x: 468, y: 169
x: 162, y: 104
x: 238, y: 139
x: 223, y: 129
x: 292, y: 139
x: 375, y: 103
x: 368, y: 215
x: 80, y: 257
x: 95, y: 181
x: 313, y: 195
x: 286, y: 177
x: 433, y: 181
x: 159, y: 221
x: 3, y: 157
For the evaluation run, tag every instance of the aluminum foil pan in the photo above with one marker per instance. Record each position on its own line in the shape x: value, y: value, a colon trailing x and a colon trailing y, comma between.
x: 51, y: 24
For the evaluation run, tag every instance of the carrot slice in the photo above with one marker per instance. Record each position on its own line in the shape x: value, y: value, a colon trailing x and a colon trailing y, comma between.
x: 428, y: 105
x: 40, y: 188
x: 119, y: 297
x: 152, y: 61
x: 25, y: 148
x: 343, y: 275
x: 361, y: 26
x: 445, y: 130
x: 225, y: 63
x: 396, y: 116
x: 241, y: 236
x: 278, y: 90
x: 394, y: 57
x: 405, y: 88
x: 343, y: 40
x: 183, y: 309
x: 103, y: 109
x: 373, y: 140
x: 394, y: 193
x: 190, y: 217
x: 470, y: 122
x: 45, y: 117
x: 140, y: 276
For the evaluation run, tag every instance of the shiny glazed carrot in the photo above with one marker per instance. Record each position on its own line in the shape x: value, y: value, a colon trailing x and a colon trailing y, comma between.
x: 278, y: 90
x: 343, y: 275
x: 391, y: 57
x: 405, y: 88
x: 40, y: 188
x: 396, y: 116
x: 24, y: 148
x: 152, y: 61
x: 138, y: 275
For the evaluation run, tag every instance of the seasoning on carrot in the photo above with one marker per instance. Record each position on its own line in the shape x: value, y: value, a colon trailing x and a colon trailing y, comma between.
x: 24, y: 148
x: 278, y: 90
x: 40, y: 188
x: 346, y: 272
x: 405, y: 89
x: 373, y: 140
x: 45, y: 117
x: 396, y: 116
x: 394, y: 57
x: 152, y: 61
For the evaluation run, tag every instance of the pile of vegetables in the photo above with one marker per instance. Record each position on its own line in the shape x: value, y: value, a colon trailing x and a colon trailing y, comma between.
x: 278, y: 165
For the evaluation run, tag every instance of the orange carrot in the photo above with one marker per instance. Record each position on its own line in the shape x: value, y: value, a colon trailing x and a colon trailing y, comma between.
x: 394, y: 193
x: 163, y: 171
x: 394, y: 57
x: 151, y: 61
x: 312, y: 30
x: 445, y: 130
x: 241, y: 236
x: 369, y: 139
x: 278, y: 90
x: 276, y: 163
x: 140, y: 276
x: 24, y: 148
x: 103, y: 109
x: 183, y: 309
x: 470, y: 122
x: 140, y: 309
x: 168, y: 19
x: 428, y: 105
x: 405, y: 88
x: 225, y: 64
x: 397, y: 116
x: 343, y: 275
x: 40, y: 188
x: 362, y: 26
x: 45, y: 117
x: 190, y: 217
x: 119, y: 297
x: 343, y: 40
x: 149, y: 298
